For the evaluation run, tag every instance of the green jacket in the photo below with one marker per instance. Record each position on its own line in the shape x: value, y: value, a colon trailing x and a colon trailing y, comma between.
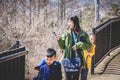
x: 65, y: 43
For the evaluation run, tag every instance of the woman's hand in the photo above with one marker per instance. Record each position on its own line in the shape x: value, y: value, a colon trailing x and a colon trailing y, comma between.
x: 74, y: 47
x: 57, y: 37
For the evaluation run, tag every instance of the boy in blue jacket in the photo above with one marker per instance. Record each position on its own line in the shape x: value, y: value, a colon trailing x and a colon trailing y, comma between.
x: 49, y: 69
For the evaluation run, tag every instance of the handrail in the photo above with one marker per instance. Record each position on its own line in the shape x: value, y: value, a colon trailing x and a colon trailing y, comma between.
x: 105, y: 40
x: 12, y: 62
x: 9, y: 57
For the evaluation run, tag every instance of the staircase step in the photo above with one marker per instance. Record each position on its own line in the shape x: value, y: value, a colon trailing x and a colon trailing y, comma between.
x: 117, y: 73
x: 113, y: 66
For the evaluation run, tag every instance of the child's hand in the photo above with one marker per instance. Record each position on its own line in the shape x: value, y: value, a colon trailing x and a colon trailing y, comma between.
x: 87, y: 53
x: 89, y: 50
x: 36, y: 68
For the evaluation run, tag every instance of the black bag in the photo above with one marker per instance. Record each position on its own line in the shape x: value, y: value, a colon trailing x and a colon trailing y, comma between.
x: 71, y: 65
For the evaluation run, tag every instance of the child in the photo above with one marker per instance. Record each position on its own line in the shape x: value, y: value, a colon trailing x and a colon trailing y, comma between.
x: 90, y: 52
x: 49, y: 69
x: 88, y: 58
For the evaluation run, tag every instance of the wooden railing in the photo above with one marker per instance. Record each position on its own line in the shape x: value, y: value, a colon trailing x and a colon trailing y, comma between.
x: 107, y: 37
x: 12, y: 62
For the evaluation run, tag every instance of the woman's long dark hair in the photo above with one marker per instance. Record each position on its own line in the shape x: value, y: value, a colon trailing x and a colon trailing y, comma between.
x: 76, y: 23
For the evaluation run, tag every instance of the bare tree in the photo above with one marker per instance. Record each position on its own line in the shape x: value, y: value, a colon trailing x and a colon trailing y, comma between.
x: 96, y: 11
x: 62, y: 10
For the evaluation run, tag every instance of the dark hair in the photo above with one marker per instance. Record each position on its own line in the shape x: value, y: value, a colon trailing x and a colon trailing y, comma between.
x: 75, y: 20
x: 50, y: 52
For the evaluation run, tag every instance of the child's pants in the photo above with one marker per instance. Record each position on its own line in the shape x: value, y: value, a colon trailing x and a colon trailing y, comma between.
x: 84, y: 74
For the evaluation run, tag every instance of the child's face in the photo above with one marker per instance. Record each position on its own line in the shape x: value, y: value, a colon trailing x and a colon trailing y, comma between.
x: 92, y: 39
x: 50, y: 60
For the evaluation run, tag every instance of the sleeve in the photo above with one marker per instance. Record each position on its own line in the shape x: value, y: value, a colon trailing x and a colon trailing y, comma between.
x: 84, y: 43
x: 42, y: 62
x: 92, y: 52
x: 61, y: 41
x: 40, y: 75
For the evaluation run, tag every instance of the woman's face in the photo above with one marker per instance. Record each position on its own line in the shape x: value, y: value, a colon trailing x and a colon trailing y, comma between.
x: 70, y: 24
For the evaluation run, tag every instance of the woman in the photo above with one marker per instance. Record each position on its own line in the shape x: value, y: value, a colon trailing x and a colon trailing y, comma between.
x: 74, y: 40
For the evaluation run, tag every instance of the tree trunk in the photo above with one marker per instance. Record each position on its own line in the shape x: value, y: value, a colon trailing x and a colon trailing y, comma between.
x: 96, y: 12
x: 30, y: 13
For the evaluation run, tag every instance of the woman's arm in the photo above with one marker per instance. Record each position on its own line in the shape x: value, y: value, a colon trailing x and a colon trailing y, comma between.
x: 61, y: 41
x: 84, y: 43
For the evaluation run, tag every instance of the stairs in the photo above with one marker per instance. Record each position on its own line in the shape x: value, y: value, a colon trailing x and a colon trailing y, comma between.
x: 113, y: 66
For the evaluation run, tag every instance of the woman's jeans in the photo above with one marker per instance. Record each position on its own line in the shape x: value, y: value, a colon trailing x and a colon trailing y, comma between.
x: 77, y: 75
x: 72, y: 75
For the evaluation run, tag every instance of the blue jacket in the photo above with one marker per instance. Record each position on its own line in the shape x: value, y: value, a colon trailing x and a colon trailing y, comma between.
x: 52, y: 72
x: 42, y: 62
